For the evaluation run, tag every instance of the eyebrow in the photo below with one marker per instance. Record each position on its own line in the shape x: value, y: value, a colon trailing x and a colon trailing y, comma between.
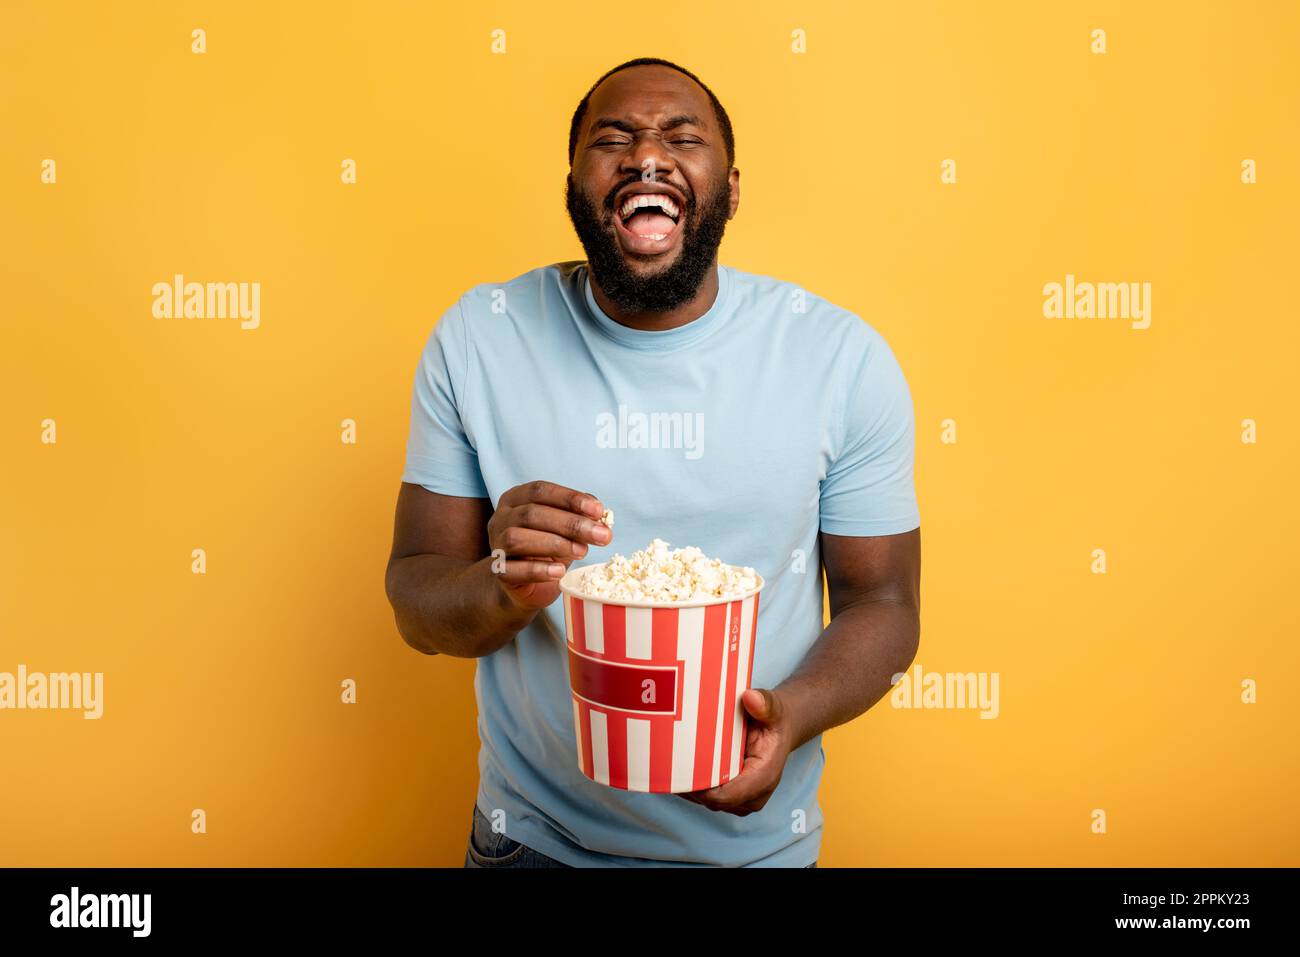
x: 682, y: 119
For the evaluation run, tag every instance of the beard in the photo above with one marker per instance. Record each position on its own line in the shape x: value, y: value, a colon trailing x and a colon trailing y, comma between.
x: 669, y: 287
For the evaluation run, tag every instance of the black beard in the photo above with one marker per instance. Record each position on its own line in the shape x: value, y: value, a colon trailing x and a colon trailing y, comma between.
x: 668, y: 288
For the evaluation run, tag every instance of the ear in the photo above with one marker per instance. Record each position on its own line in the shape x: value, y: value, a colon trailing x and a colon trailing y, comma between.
x: 733, y: 183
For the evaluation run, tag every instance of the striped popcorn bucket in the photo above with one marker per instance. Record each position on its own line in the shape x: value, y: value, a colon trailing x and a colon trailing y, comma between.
x: 656, y: 688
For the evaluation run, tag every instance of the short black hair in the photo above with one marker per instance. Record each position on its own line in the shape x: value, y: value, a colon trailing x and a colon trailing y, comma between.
x: 724, y: 121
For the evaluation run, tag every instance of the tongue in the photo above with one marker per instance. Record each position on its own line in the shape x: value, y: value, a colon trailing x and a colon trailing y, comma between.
x: 650, y: 224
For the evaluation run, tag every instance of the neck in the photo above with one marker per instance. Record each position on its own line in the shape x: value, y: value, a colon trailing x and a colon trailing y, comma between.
x: 662, y: 321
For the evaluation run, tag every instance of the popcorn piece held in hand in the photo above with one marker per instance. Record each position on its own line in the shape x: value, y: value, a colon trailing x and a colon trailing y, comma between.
x: 657, y: 573
x: 608, y: 518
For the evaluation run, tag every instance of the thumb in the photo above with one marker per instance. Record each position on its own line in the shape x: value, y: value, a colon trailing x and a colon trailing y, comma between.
x: 760, y: 703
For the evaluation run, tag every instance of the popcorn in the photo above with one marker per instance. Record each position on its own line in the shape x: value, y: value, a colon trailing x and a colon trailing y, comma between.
x: 656, y: 573
x: 608, y: 518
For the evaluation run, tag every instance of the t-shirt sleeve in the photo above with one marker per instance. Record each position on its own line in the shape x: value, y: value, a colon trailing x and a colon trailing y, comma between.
x: 439, y: 453
x: 868, y: 489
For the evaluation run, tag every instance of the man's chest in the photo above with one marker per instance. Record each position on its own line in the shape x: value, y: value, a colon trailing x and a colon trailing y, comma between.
x: 710, y: 439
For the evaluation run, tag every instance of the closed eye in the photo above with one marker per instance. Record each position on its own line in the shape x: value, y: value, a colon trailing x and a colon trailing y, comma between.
x: 676, y: 142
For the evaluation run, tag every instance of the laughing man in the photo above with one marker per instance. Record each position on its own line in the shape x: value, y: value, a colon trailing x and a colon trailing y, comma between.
x: 807, y: 466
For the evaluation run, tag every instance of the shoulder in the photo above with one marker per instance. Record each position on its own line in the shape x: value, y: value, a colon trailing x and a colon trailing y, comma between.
x: 800, y: 318
x: 496, y: 314
x: 520, y: 293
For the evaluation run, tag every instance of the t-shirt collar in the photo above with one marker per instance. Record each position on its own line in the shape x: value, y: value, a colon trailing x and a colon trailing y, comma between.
x: 683, y: 335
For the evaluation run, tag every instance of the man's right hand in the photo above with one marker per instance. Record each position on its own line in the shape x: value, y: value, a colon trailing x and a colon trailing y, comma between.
x: 542, y: 528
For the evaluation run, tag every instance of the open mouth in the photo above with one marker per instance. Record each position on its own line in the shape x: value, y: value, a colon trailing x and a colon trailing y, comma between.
x: 647, y: 222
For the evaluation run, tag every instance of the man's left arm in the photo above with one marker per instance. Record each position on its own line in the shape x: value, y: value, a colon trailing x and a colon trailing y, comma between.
x: 873, y: 577
x: 874, y: 587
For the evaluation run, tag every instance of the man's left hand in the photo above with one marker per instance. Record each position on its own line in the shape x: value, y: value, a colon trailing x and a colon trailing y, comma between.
x: 768, y: 743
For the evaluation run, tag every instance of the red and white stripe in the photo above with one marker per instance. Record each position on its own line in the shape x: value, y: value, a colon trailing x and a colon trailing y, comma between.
x: 698, y: 741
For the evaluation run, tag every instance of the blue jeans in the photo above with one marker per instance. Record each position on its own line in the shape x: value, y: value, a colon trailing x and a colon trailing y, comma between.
x: 487, y: 848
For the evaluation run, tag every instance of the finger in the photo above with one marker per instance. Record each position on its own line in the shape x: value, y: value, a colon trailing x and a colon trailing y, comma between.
x: 525, y: 571
x: 715, y: 797
x: 521, y: 542
x: 557, y: 521
x: 696, y: 797
x: 738, y: 790
x: 773, y: 711
x: 724, y: 807
x: 556, y: 496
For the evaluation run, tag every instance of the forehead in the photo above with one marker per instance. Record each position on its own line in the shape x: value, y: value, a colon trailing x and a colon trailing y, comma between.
x: 649, y: 93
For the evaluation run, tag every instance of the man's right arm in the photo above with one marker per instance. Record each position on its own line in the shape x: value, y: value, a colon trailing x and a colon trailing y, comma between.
x: 446, y: 596
x: 439, y: 578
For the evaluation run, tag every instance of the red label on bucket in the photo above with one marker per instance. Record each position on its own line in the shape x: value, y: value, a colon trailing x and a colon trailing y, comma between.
x: 643, y: 689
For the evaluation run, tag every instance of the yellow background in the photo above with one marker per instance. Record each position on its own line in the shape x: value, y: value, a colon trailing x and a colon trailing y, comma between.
x: 1118, y: 691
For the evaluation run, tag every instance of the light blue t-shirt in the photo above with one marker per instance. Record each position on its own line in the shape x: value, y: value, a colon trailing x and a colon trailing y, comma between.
x: 794, y: 416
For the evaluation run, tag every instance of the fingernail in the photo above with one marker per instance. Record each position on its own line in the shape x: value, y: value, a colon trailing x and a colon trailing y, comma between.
x: 594, y: 509
x: 601, y: 534
x: 555, y: 570
x: 578, y: 548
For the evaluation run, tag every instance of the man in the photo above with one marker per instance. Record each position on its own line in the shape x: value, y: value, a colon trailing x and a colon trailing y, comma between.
x: 794, y: 453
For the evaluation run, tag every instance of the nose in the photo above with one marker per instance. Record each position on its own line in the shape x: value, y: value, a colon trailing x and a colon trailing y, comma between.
x: 647, y: 157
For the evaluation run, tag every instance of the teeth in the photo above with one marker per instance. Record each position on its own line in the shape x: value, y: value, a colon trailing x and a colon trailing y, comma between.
x: 633, y: 203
